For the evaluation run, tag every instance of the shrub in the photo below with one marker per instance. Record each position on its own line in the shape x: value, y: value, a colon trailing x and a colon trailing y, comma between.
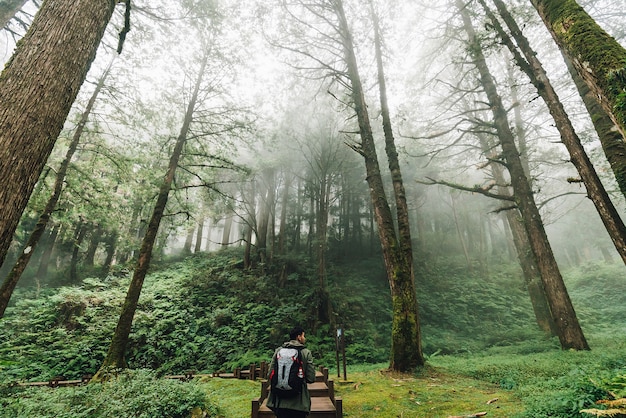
x: 133, y: 393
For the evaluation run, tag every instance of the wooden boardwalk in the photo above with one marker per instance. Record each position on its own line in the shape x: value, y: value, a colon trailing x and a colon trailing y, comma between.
x: 324, y: 403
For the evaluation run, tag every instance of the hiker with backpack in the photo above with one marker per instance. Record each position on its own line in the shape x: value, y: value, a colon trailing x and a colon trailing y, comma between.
x: 291, y: 369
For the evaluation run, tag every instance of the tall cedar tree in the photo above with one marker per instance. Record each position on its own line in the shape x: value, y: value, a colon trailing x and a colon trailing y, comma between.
x: 569, y: 332
x: 37, y: 88
x: 115, y: 358
x: 597, y: 58
x: 406, y: 350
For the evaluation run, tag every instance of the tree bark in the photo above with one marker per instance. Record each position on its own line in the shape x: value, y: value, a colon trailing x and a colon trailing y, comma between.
x: 597, y: 57
x: 37, y: 89
x: 612, y: 141
x: 115, y: 358
x: 569, y: 332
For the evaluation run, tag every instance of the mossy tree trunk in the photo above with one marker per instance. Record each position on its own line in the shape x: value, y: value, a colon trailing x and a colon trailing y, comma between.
x: 569, y: 332
x: 37, y: 88
x: 613, y: 143
x: 406, y: 350
x: 597, y: 58
x: 115, y: 357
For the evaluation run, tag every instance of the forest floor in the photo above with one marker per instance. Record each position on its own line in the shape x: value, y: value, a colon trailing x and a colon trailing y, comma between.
x: 372, y: 391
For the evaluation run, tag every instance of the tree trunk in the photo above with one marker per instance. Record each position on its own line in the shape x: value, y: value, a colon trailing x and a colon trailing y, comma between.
x: 33, y: 240
x: 282, y: 238
x: 406, y: 312
x: 296, y: 238
x: 597, y: 57
x: 42, y: 271
x: 94, y: 242
x: 310, y: 238
x: 228, y: 223
x: 189, y: 239
x: 265, y: 212
x: 79, y: 237
x: 109, y: 247
x: 613, y: 143
x: 324, y: 311
x: 406, y: 351
x: 115, y: 358
x: 569, y: 331
x: 199, y: 233
x: 247, y: 252
x: 37, y: 89
x: 579, y: 158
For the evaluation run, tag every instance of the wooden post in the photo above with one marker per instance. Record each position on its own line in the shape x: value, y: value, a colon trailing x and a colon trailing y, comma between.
x: 338, y: 337
x: 331, y: 390
x: 343, y: 354
x: 339, y: 407
x: 265, y: 389
x: 252, y: 372
x: 255, y: 408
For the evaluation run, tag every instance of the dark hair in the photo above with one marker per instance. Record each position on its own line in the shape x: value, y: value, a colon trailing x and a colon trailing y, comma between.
x: 295, y: 332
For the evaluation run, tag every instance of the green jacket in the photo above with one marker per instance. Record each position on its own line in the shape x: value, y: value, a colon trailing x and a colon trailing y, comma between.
x: 302, y: 402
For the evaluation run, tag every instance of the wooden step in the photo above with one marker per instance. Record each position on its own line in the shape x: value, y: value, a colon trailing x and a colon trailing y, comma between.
x: 318, y: 389
x: 320, y: 408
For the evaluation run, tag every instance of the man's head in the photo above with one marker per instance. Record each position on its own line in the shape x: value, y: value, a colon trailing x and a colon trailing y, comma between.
x: 297, y: 333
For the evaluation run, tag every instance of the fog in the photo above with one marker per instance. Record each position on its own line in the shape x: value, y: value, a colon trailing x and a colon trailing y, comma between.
x: 272, y: 101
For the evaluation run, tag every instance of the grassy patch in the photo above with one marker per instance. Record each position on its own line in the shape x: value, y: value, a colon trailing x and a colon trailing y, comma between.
x: 233, y: 397
x: 371, y: 391
x: 432, y: 393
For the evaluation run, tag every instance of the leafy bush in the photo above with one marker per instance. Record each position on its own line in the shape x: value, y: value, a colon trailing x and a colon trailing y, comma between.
x: 135, y: 393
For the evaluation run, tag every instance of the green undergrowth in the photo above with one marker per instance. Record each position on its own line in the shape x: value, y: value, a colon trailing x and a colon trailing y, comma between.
x: 518, y: 381
x: 549, y: 382
x: 206, y: 313
x: 137, y: 393
x: 433, y: 392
